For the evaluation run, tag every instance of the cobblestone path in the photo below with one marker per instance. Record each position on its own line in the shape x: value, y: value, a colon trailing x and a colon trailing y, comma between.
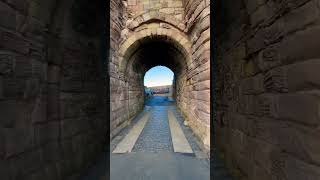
x: 155, y: 136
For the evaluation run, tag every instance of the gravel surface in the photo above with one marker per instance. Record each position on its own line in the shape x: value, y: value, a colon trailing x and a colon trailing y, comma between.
x: 155, y: 136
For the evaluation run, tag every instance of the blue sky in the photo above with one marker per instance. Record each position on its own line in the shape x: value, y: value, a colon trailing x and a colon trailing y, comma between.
x: 158, y: 76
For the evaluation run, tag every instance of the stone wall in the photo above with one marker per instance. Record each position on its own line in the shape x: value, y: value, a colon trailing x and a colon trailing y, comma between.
x: 51, y: 90
x: 170, y: 7
x: 118, y: 92
x: 195, y: 103
x: 178, y: 35
x: 267, y: 88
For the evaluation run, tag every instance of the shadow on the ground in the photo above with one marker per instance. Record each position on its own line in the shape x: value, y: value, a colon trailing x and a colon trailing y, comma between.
x: 99, y: 170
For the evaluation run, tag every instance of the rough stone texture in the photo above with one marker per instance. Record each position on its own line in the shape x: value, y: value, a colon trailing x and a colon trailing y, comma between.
x: 172, y: 33
x: 155, y: 136
x: 52, y: 117
x: 267, y: 89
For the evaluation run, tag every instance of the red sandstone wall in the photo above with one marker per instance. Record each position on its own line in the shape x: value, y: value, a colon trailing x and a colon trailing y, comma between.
x: 126, y: 101
x: 268, y: 88
x: 178, y: 20
x: 170, y: 7
x: 195, y: 97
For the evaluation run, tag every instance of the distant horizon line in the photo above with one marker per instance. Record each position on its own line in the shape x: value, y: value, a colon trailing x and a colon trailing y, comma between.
x: 160, y: 85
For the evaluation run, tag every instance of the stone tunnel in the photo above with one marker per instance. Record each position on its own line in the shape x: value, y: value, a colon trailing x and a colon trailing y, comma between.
x: 54, y: 70
x: 149, y: 36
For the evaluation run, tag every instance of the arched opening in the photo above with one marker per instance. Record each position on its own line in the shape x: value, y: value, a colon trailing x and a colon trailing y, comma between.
x: 158, y: 76
x: 158, y: 84
x: 142, y: 55
x: 153, y: 44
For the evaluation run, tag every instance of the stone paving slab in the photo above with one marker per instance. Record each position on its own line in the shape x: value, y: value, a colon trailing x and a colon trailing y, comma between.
x: 98, y: 172
x: 179, y: 141
x: 157, y: 166
x: 127, y: 144
x: 122, y: 134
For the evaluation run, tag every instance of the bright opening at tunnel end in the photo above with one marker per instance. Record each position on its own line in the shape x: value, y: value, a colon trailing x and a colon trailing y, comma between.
x: 158, y: 76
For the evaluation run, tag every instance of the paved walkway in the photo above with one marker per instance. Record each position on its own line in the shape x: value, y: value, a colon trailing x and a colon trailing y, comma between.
x: 155, y: 136
x: 154, y: 155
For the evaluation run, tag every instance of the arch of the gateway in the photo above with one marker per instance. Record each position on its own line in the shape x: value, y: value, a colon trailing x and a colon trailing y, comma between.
x: 160, y: 36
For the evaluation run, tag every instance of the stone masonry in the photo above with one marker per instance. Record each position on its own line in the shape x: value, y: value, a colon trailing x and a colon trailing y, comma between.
x: 173, y: 33
x: 267, y: 88
x: 52, y: 120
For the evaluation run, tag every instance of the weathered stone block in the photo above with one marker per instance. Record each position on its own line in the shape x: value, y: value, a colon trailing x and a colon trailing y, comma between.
x: 20, y: 5
x: 39, y: 70
x: 258, y: 172
x: 268, y: 58
x: 25, y: 163
x: 5, y: 169
x: 1, y: 88
x: 301, y: 108
x: 263, y: 13
x: 47, y: 132
x: 253, y: 85
x: 263, y: 153
x: 37, y: 175
x: 14, y: 114
x: 252, y: 5
x: 14, y: 42
x: 23, y: 67
x: 302, y: 142
x: 70, y: 85
x: 265, y: 105
x: 250, y: 69
x: 70, y: 127
x: 304, y: 75
x: 268, y: 130
x: 296, y: 169
x: 288, y: 23
x: 17, y: 140
x: 7, y: 62
x: 203, y: 116
x: 202, y: 76
x: 51, y: 171
x: 275, y: 80
x: 51, y: 152
x: 291, y: 50
x: 204, y: 85
x: 66, y: 148
x: 39, y: 112
x: 7, y: 16
x: 33, y: 88
x: 167, y: 10
x: 247, y: 103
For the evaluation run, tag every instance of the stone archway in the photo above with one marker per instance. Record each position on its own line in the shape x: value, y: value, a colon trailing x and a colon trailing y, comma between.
x: 168, y: 43
x: 154, y: 31
x: 154, y: 28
